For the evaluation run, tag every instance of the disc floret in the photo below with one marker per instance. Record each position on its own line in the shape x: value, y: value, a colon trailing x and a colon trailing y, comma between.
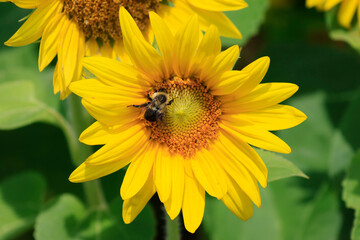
x: 190, y: 122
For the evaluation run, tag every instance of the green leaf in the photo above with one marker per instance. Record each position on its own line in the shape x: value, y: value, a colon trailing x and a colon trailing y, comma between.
x: 350, y: 122
x: 355, y: 233
x: 66, y: 219
x: 19, y: 107
x: 21, y: 198
x: 306, y: 209
x: 221, y: 224
x: 316, y: 144
x: 340, y: 153
x: 310, y: 140
x: 247, y: 20
x: 351, y: 184
x: 26, y: 95
x: 20, y: 64
x: 113, y: 227
x: 325, y: 219
x: 286, y: 212
x: 337, y: 32
x: 278, y: 166
x: 58, y: 220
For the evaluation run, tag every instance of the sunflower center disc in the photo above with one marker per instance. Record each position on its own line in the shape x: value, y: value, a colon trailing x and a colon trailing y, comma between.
x: 99, y: 19
x: 190, y: 121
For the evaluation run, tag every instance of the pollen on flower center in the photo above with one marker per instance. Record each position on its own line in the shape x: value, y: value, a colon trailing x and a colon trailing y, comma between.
x: 190, y: 121
x: 99, y: 19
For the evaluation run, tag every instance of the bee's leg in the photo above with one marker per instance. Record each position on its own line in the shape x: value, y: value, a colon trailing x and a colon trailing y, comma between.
x: 148, y: 97
x: 170, y: 102
x: 159, y: 115
x: 139, y: 106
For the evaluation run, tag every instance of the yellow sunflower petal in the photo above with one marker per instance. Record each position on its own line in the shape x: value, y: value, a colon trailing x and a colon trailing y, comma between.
x: 229, y: 82
x: 186, y: 42
x: 218, y: 5
x: 245, y: 180
x: 314, y: 3
x: 50, y: 40
x: 346, y: 12
x: 96, y: 134
x: 222, y: 63
x: 209, y: 173
x: 330, y: 4
x: 107, y: 51
x: 133, y: 206
x: 34, y: 26
x: 92, y: 47
x: 70, y: 53
x: 138, y: 172
x: 94, y: 89
x: 272, y: 118
x: 163, y: 174
x: 28, y: 4
x: 256, y: 136
x: 115, y: 73
x: 193, y: 203
x: 264, y: 95
x: 175, y: 17
x: 164, y: 39
x: 111, y: 113
x: 85, y: 172
x: 210, y: 46
x: 174, y: 203
x: 237, y: 201
x: 129, y: 28
x: 241, y: 153
x: 56, y: 80
x: 123, y: 145
x: 256, y: 71
x: 219, y: 19
x: 141, y: 53
x: 119, y: 48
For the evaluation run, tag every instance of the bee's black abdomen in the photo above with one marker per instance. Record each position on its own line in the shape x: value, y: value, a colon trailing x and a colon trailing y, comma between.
x: 150, y: 115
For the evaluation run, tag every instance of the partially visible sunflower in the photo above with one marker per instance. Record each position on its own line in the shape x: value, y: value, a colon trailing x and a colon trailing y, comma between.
x: 71, y: 29
x: 201, y: 140
x: 346, y: 12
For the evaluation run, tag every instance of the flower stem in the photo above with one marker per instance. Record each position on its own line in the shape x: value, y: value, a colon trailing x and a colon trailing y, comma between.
x: 172, y: 228
x: 78, y: 121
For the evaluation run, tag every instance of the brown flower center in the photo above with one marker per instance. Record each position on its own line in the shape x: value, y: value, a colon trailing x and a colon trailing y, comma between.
x: 189, y: 123
x: 99, y: 19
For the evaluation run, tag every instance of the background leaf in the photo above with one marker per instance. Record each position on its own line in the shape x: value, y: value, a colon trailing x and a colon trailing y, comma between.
x: 19, y: 107
x: 278, y: 166
x: 247, y: 20
x: 66, y: 218
x: 355, y: 234
x: 351, y: 184
x: 337, y: 32
x: 21, y: 198
x: 58, y: 220
x: 221, y: 224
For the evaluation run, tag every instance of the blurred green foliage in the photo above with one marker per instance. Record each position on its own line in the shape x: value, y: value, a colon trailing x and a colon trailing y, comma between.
x: 37, y: 201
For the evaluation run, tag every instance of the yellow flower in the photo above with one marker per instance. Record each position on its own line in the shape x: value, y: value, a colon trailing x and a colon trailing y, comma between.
x: 346, y: 12
x: 200, y: 141
x: 71, y: 29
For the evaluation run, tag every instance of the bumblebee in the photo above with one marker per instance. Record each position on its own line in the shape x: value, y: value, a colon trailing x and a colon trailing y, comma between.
x: 155, y: 109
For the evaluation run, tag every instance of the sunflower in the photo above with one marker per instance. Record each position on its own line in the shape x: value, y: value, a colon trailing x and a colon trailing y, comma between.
x: 71, y: 29
x: 346, y: 12
x: 203, y: 116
